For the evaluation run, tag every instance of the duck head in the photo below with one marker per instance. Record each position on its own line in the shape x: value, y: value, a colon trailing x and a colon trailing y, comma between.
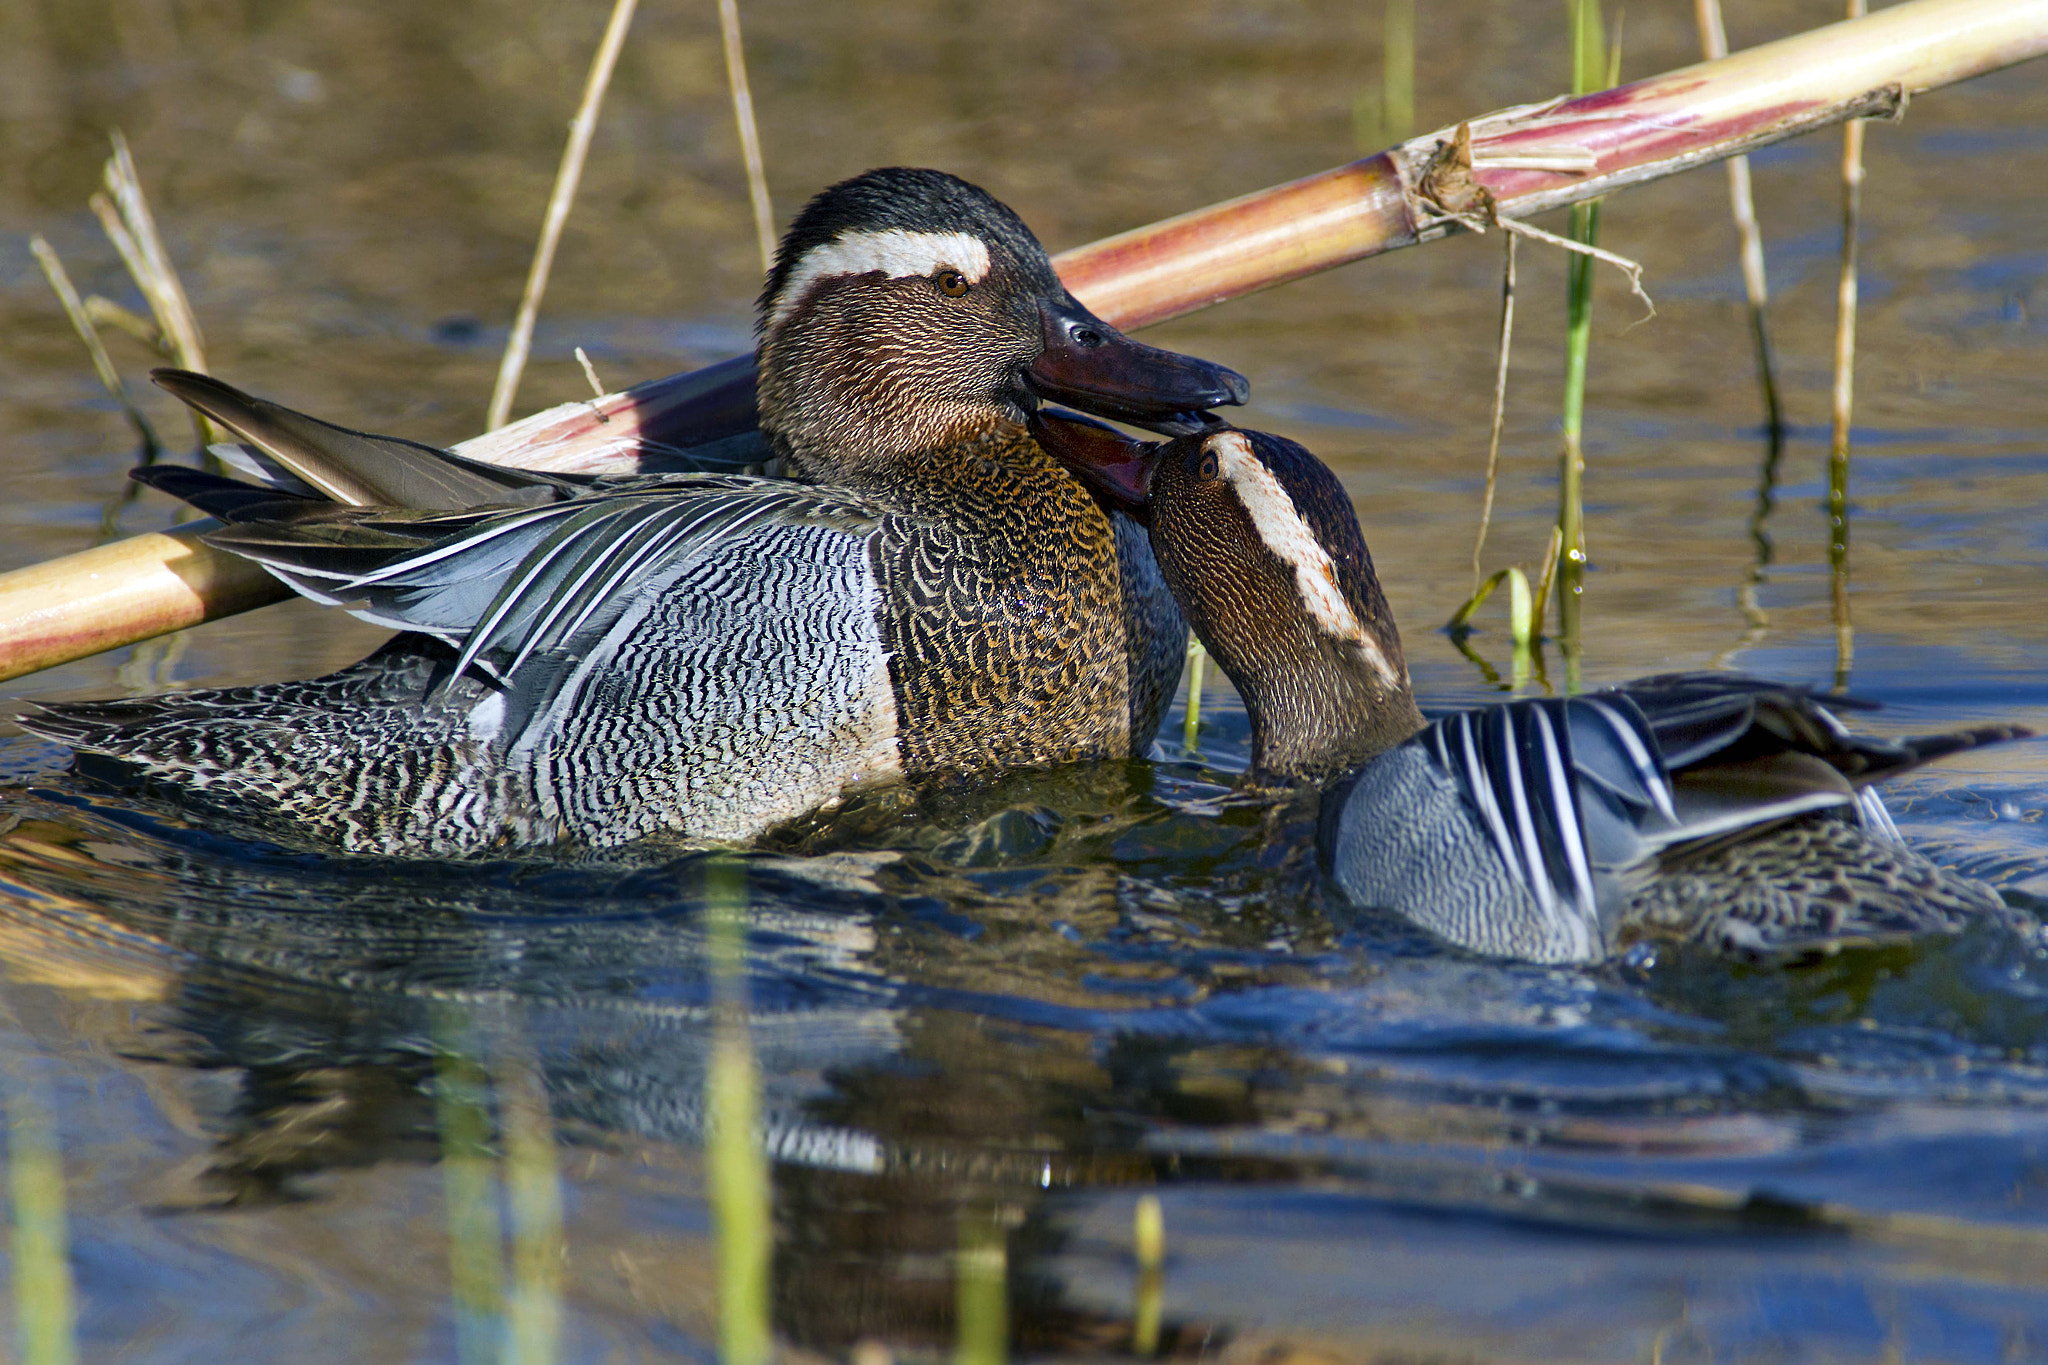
x: 907, y: 309
x: 1261, y: 548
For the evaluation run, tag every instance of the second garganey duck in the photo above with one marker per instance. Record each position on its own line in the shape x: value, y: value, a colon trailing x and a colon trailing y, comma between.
x: 588, y: 661
x: 1710, y: 807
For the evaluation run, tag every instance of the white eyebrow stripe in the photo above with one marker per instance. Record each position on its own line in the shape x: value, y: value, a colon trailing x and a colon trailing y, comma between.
x: 896, y: 252
x: 1280, y: 526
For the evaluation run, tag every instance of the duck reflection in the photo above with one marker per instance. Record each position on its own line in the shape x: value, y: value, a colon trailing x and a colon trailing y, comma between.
x: 966, y: 1044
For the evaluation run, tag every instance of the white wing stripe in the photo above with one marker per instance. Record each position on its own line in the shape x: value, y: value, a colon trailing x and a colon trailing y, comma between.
x: 1647, y: 768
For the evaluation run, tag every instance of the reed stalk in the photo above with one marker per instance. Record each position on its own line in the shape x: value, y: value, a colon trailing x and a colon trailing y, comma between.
x: 1148, y: 1246
x: 1844, y: 390
x: 750, y: 137
x: 1591, y: 59
x: 1714, y: 44
x: 567, y: 176
x: 476, y: 1271
x: 735, y: 1168
x: 123, y: 212
x: 1526, y: 161
x: 1755, y: 620
x: 1388, y: 114
x: 45, y: 1311
x: 982, y: 1290
x: 102, y: 363
x: 1500, y: 408
x: 533, y: 1199
x: 1198, y: 658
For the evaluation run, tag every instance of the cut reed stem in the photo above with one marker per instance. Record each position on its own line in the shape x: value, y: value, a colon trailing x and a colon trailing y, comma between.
x: 123, y: 211
x: 750, y: 137
x: 567, y: 177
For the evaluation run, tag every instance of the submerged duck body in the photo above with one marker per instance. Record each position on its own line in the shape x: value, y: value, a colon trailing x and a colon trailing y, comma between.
x: 1712, y: 807
x: 589, y: 661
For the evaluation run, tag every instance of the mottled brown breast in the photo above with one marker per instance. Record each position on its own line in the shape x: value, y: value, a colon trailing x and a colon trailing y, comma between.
x: 1002, y: 611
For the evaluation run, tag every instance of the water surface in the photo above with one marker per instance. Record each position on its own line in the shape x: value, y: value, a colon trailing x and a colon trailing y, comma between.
x: 1085, y: 986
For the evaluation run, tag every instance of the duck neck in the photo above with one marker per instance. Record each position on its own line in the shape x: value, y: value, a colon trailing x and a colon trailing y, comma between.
x: 1314, y: 724
x: 856, y: 421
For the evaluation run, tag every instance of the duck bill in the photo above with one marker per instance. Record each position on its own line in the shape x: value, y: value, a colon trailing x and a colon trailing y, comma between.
x: 1116, y: 467
x: 1092, y: 366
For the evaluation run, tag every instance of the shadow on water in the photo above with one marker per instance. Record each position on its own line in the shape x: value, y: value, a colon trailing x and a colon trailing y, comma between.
x: 978, y: 1043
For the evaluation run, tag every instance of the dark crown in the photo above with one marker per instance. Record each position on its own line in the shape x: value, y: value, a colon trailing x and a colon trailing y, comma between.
x: 909, y: 199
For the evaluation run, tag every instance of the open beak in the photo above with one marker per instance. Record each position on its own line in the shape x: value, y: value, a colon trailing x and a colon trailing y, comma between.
x: 1098, y: 369
x: 1118, y: 468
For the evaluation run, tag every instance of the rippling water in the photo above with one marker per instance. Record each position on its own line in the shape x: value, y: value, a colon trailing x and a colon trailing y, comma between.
x: 1083, y: 986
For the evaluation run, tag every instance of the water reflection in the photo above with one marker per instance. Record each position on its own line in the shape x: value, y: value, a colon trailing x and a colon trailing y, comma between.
x: 977, y: 1046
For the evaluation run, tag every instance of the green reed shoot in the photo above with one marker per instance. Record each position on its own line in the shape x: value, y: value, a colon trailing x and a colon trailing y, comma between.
x: 533, y: 1198
x: 1387, y: 115
x: 469, y: 1184
x: 1198, y: 657
x: 45, y: 1317
x: 1148, y: 1245
x: 735, y: 1168
x: 981, y: 1290
x: 1591, y: 62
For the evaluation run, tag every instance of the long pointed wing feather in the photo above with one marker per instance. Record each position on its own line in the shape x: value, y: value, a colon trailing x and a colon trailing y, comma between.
x: 355, y: 467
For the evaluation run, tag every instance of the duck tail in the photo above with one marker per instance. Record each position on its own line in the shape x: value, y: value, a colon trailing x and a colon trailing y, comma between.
x: 1911, y: 752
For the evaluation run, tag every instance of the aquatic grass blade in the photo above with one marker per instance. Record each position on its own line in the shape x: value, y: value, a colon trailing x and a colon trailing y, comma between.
x: 469, y: 1186
x: 736, y: 1170
x: 45, y: 1311
x: 981, y: 1290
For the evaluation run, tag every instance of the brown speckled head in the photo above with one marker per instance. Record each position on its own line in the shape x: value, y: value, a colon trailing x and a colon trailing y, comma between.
x: 1260, y: 545
x: 909, y: 310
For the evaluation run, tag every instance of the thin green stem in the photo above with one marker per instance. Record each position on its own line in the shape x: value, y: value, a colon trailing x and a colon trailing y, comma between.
x: 476, y: 1268
x: 1198, y: 657
x: 45, y: 1316
x: 1591, y: 65
x: 981, y: 1290
x: 735, y: 1167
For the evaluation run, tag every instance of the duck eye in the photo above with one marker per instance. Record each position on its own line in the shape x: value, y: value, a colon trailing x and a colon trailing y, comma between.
x: 951, y: 283
x: 1208, y: 469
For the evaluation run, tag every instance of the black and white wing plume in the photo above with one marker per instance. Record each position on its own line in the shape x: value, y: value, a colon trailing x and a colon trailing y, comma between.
x: 1562, y: 787
x: 503, y: 584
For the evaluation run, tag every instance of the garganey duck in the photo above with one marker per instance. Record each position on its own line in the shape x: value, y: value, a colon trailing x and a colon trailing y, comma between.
x: 585, y: 661
x: 1706, y: 806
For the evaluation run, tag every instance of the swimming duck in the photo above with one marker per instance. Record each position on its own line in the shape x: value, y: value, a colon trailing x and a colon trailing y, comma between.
x: 1707, y: 806
x: 591, y: 660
